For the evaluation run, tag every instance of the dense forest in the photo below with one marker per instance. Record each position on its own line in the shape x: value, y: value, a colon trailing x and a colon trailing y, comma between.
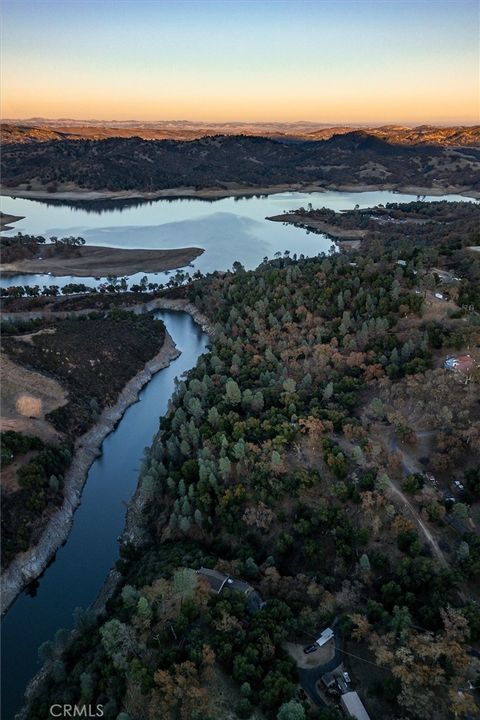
x: 91, y: 357
x: 220, y: 161
x: 322, y: 453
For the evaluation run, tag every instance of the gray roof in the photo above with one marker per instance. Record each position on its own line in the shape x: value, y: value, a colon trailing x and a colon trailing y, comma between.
x: 328, y: 679
x: 218, y: 580
x: 238, y: 585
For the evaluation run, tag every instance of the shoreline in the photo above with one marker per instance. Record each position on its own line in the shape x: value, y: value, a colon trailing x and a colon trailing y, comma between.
x: 318, y: 226
x: 100, y: 261
x: 6, y: 220
x: 29, y: 565
x: 130, y: 533
x: 130, y: 530
x: 158, y: 303
x: 235, y: 190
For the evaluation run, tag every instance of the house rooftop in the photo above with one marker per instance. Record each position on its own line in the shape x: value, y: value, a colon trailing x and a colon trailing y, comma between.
x: 326, y: 635
x: 328, y: 679
x: 218, y: 580
x: 215, y: 579
x: 460, y: 363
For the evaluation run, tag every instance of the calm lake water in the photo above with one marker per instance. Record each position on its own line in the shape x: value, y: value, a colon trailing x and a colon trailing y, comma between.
x: 228, y: 230
x: 81, y: 566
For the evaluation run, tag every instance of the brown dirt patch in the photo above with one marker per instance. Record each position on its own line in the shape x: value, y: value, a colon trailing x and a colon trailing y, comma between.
x: 26, y: 397
x: 321, y: 656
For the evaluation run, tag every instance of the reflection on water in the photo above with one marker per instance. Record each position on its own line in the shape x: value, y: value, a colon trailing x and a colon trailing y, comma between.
x: 80, y: 566
x: 228, y: 229
x: 98, y: 207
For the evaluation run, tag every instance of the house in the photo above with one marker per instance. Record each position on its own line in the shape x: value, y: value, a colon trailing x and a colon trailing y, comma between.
x: 328, y: 680
x: 353, y: 706
x: 326, y: 635
x: 218, y: 580
x: 215, y: 579
x: 462, y: 363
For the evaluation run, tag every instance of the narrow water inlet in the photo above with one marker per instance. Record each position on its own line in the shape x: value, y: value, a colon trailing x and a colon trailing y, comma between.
x: 82, y: 564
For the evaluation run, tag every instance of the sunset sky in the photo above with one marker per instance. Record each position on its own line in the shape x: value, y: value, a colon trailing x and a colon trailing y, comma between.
x: 330, y: 61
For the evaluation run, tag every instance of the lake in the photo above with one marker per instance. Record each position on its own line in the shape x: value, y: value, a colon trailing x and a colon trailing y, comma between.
x: 229, y: 229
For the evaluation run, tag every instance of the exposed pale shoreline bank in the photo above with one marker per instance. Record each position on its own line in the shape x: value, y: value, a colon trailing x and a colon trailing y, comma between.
x: 234, y: 190
x: 130, y: 533
x: 29, y: 565
x: 99, y: 261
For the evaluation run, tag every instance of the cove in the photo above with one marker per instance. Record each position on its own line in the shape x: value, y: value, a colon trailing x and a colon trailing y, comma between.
x: 227, y: 230
x: 81, y: 565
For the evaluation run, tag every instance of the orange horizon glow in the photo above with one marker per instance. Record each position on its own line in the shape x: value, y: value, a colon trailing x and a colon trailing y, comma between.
x: 344, y: 62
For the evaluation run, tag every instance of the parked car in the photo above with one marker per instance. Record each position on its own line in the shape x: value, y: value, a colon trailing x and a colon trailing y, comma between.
x: 346, y: 677
x: 309, y: 649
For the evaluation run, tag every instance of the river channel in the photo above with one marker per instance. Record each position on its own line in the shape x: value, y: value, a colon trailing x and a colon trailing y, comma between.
x: 82, y: 564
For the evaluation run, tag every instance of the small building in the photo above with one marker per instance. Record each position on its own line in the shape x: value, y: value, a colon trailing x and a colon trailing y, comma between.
x: 464, y: 364
x: 326, y: 635
x: 403, y: 263
x: 218, y: 580
x: 238, y: 585
x: 353, y: 706
x: 328, y: 680
x: 215, y: 579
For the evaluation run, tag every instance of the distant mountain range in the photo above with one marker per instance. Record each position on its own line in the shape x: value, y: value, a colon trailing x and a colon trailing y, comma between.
x: 353, y: 158
x: 43, y: 130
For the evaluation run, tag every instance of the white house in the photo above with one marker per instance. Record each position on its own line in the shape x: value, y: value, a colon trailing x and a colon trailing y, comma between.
x: 325, y: 637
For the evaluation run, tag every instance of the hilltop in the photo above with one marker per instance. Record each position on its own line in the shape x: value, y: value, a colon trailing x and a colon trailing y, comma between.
x: 43, y: 130
x: 223, y: 161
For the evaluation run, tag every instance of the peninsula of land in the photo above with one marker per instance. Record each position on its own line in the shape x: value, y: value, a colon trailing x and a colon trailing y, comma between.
x: 7, y: 220
x: 103, y: 261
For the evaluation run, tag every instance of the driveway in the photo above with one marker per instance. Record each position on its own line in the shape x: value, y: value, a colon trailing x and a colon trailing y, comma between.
x: 310, y: 676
